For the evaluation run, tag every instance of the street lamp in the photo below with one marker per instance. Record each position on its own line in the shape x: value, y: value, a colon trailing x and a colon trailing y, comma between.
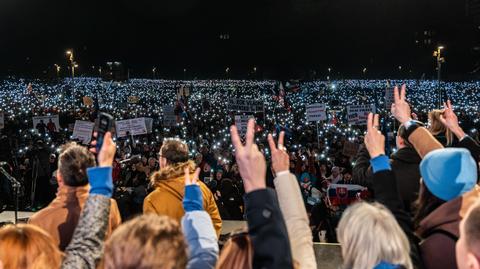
x: 154, y: 69
x: 438, y: 54
x: 72, y: 61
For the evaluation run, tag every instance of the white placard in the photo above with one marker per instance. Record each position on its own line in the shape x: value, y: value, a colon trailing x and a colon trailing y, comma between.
x: 130, y: 127
x: 316, y: 112
x: 169, y: 118
x: 357, y: 114
x: 47, y: 123
x: 244, y: 105
x: 149, y: 124
x: 83, y: 131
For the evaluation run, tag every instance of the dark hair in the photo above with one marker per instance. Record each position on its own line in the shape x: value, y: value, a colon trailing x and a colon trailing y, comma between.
x: 175, y: 151
x: 402, y: 134
x: 73, y: 163
x: 425, y: 204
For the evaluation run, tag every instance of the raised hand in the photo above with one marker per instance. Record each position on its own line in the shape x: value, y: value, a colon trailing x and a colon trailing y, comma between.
x: 400, y: 108
x: 280, y: 158
x: 191, y: 180
x: 107, y: 152
x: 374, y: 140
x: 450, y: 120
x: 250, y: 160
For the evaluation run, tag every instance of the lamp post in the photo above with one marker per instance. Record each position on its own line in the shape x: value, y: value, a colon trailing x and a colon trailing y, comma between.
x: 57, y: 68
x: 438, y: 54
x: 73, y: 65
x: 154, y: 70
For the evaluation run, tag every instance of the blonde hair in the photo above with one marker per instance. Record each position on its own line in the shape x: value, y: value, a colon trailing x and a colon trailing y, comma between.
x: 147, y: 241
x: 237, y: 252
x: 436, y: 126
x: 369, y: 234
x: 26, y: 246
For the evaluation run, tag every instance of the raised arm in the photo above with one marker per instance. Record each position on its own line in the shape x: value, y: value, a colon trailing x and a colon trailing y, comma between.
x: 385, y: 185
x: 421, y: 139
x: 85, y: 249
x: 197, y: 226
x: 292, y: 206
x: 266, y: 227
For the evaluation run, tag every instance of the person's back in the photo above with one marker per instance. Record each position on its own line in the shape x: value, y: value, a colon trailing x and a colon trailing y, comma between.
x: 167, y: 197
x: 61, y: 216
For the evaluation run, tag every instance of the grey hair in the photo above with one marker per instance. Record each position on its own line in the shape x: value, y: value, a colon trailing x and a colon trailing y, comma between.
x: 369, y: 234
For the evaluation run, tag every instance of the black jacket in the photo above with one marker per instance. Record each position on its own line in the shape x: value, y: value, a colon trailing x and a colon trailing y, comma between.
x: 405, y: 165
x: 470, y: 144
x: 386, y: 193
x: 266, y: 227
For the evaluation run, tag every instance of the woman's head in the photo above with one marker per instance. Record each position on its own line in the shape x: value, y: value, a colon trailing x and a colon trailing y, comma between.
x: 148, y: 241
x: 437, y: 127
x: 369, y: 234
x: 26, y: 246
x: 237, y: 252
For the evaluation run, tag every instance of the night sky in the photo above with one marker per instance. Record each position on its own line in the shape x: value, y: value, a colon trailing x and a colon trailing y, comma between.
x: 280, y: 37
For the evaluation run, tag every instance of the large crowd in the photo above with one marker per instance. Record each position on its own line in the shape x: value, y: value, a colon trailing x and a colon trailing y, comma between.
x: 174, y: 185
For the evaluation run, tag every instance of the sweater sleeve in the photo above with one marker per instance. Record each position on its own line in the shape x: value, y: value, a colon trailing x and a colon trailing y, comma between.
x: 201, y: 238
x: 85, y: 249
x: 423, y: 141
x: 267, y: 230
x: 296, y: 219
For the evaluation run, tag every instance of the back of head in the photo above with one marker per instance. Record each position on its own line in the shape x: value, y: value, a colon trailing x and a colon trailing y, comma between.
x: 26, y: 246
x: 237, y: 253
x: 174, y: 151
x: 448, y: 173
x: 73, y: 163
x: 148, y: 241
x: 437, y: 127
x: 369, y: 234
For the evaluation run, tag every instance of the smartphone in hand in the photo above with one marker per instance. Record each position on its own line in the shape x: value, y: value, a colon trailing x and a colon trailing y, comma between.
x: 105, y: 123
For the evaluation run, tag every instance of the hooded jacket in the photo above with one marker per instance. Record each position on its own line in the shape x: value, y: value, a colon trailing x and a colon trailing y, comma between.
x: 405, y: 165
x: 167, y: 197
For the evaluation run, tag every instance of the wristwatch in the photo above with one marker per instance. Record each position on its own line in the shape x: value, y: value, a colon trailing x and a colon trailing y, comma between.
x: 410, y: 127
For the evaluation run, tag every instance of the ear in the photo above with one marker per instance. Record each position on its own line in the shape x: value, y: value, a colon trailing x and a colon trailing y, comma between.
x: 59, y: 179
x: 472, y: 261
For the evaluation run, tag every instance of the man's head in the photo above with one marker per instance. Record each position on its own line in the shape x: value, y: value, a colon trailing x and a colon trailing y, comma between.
x: 73, y: 163
x: 402, y: 143
x: 148, y: 241
x: 468, y: 245
x: 335, y: 171
x: 172, y: 152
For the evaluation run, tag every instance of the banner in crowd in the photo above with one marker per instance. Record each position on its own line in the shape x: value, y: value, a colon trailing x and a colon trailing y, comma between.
x: 241, y: 121
x: 316, y: 112
x: 130, y: 127
x: 245, y: 105
x: 149, y: 124
x: 169, y: 118
x: 2, y: 120
x: 83, y: 131
x: 44, y: 124
x: 350, y: 149
x: 357, y: 114
x: 133, y: 99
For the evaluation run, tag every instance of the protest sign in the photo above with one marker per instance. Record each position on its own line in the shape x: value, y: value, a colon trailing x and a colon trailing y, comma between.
x: 131, y: 127
x: 83, y: 131
x: 43, y: 124
x: 357, y: 114
x: 169, y: 118
x: 133, y: 99
x: 87, y: 101
x: 316, y: 112
x: 244, y: 105
x: 241, y: 121
x: 148, y: 124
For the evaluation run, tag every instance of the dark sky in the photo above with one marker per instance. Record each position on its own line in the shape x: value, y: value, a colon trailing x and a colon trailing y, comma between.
x: 278, y: 36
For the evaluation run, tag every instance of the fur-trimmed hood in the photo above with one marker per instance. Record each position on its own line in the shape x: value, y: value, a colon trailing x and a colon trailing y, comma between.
x: 171, y: 172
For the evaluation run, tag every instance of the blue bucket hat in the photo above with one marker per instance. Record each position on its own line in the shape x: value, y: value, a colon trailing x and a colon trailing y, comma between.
x: 448, y: 173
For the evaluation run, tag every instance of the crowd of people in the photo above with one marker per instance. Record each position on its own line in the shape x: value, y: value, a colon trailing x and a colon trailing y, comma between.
x: 394, y: 192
